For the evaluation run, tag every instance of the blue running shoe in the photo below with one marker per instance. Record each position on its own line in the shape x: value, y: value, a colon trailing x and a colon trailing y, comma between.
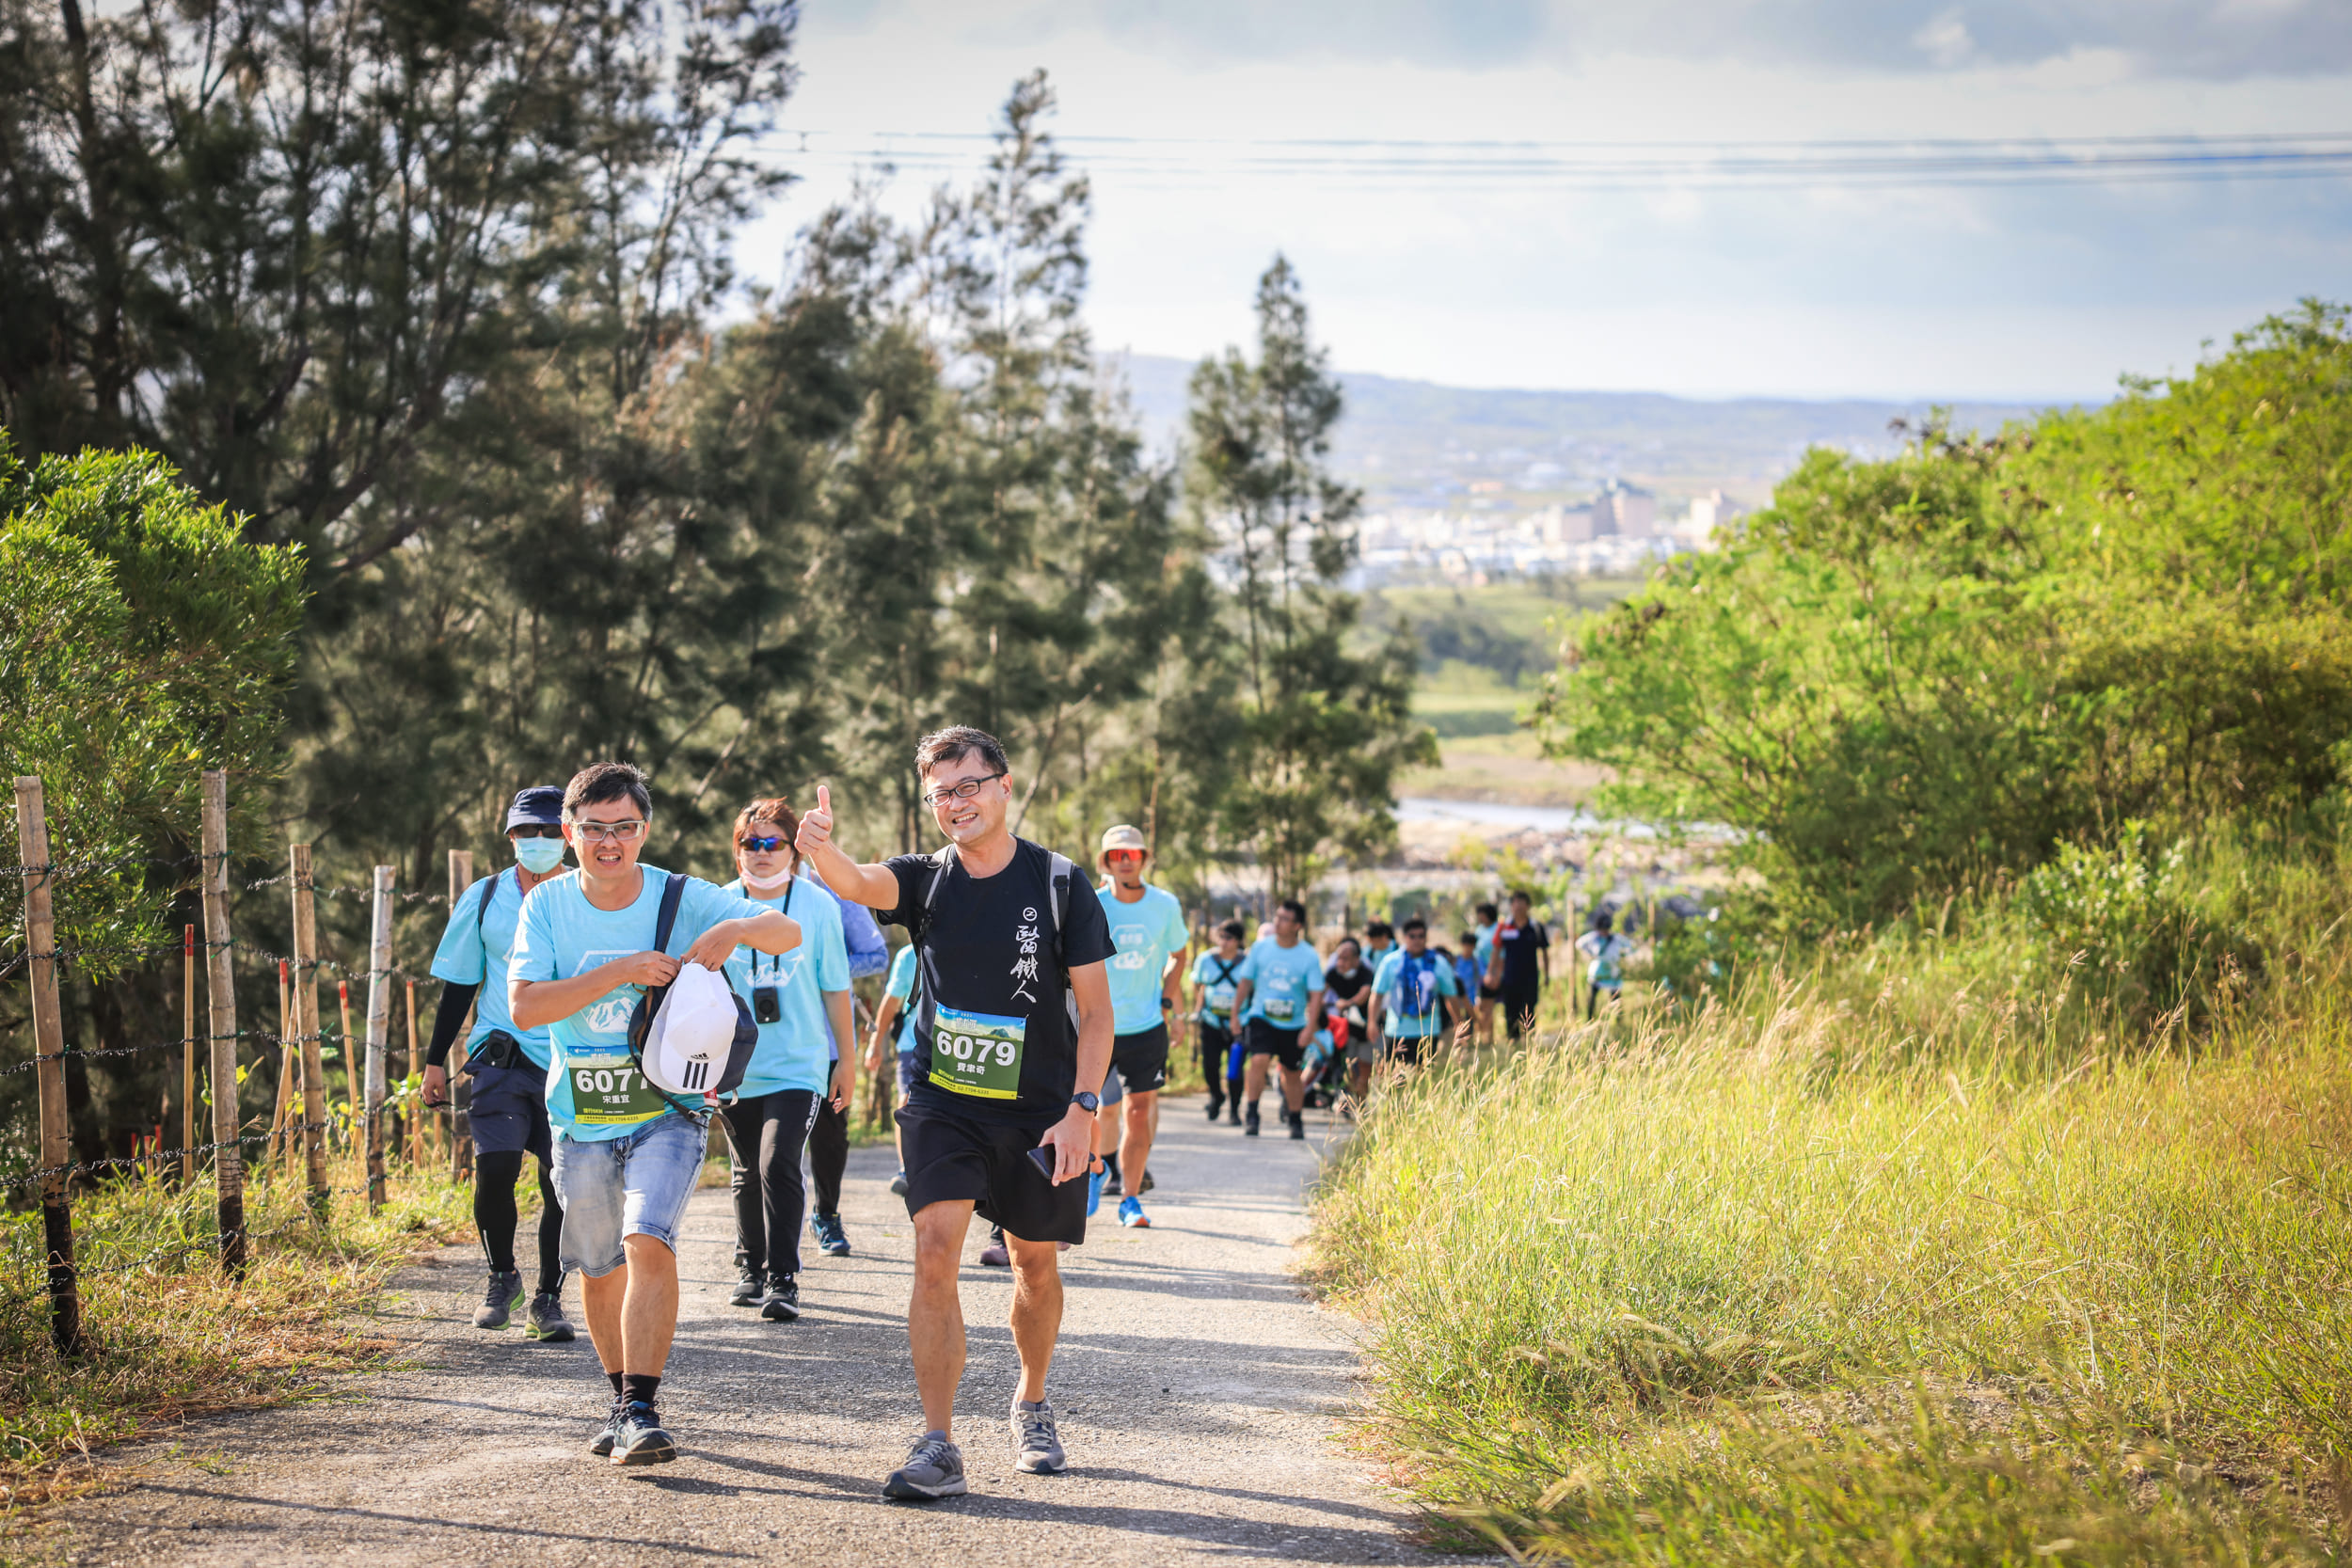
x: 1094, y: 1190
x: 1131, y: 1215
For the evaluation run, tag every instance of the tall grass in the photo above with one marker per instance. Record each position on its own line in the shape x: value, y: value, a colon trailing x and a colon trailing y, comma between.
x: 165, y: 1336
x: 1931, y: 1218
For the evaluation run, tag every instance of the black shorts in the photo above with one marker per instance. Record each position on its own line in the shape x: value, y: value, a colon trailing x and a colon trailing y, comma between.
x: 951, y: 1158
x: 1140, y: 1059
x: 1407, y: 1048
x: 508, y: 1112
x: 1489, y: 993
x: 1280, y: 1044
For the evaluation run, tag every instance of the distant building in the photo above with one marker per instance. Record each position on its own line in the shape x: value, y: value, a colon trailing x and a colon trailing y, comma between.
x: 1623, y: 511
x: 1707, y: 514
x: 1564, y: 525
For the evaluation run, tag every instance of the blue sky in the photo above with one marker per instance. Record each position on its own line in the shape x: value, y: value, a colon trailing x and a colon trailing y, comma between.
x: 1818, y: 291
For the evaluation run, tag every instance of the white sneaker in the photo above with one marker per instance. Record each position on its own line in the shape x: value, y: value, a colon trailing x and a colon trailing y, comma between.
x: 1037, y: 1448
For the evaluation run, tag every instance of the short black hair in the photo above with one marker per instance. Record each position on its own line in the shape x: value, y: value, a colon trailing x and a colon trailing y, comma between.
x: 1375, y: 929
x: 1298, y: 911
x: 1234, y: 929
x: 955, y: 743
x: 1486, y: 911
x: 1601, y: 920
x: 1519, y: 893
x: 1415, y: 923
x: 599, y: 782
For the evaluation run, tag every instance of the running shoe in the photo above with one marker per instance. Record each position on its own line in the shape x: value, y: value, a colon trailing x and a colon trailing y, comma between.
x: 1216, y: 1108
x: 781, y: 1305
x: 1299, y: 1124
x: 638, y: 1437
x: 498, y: 1301
x: 546, y: 1322
x: 831, y: 1239
x: 934, y: 1468
x: 1147, y: 1184
x: 899, y: 1183
x: 751, y: 1286
x: 1094, y: 1190
x: 1131, y: 1215
x: 996, y: 1254
x: 1249, y: 1128
x: 1036, y: 1446
x: 1232, y: 1113
x: 602, y: 1447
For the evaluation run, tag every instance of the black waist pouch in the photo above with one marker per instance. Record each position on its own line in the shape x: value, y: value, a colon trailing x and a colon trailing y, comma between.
x: 497, y: 1049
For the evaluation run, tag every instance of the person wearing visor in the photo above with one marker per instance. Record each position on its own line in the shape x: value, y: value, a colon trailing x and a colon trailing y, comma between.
x: 629, y: 1150
x: 1148, y: 928
x: 801, y: 1001
x: 508, y: 1064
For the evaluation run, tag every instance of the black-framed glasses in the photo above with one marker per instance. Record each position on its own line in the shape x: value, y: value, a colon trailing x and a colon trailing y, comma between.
x: 964, y: 791
x: 535, y: 829
x: 767, y: 846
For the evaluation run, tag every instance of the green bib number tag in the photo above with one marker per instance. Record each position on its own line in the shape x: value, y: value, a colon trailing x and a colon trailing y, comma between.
x: 615, y: 1096
x: 977, y: 1054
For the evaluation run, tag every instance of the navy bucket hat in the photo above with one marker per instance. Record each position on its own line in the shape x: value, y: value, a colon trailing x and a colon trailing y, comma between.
x: 541, y: 805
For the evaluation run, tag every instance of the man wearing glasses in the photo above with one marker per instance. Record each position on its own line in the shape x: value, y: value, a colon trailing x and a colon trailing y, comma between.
x: 626, y: 1154
x: 1012, y: 1031
x: 1146, y: 923
x: 508, y: 1064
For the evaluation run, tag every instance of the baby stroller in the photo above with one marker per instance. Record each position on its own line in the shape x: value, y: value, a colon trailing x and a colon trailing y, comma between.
x: 1326, y: 1055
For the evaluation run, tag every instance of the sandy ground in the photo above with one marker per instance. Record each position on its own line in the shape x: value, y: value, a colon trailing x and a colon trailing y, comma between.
x: 1200, y: 1394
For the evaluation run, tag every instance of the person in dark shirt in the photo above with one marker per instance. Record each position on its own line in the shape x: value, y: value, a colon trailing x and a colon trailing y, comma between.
x: 1012, y: 1014
x: 1523, y: 962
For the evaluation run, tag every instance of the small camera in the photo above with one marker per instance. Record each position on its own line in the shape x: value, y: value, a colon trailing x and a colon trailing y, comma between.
x: 767, y: 1005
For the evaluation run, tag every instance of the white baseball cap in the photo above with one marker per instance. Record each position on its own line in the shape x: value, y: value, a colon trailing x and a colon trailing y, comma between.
x: 692, y: 1034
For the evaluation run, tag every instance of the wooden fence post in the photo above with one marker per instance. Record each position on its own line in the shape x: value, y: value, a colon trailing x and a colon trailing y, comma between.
x: 41, y: 940
x: 379, y: 1027
x: 188, y: 1057
x: 288, y: 1061
x: 415, y: 1113
x: 460, y: 1090
x: 306, y: 993
x: 221, y: 971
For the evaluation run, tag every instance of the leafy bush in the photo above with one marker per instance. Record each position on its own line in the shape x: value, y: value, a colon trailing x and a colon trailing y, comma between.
x: 2127, y: 921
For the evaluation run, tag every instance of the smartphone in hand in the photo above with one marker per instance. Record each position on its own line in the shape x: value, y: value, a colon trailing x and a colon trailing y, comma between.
x: 1042, y: 1158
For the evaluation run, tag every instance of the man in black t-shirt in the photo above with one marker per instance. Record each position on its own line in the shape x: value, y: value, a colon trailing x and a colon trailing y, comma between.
x: 1011, y: 1013
x: 1523, y: 963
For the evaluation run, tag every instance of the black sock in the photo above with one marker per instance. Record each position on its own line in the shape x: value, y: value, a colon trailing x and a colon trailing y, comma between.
x: 1111, y: 1165
x: 617, y: 1382
x: 639, y: 1387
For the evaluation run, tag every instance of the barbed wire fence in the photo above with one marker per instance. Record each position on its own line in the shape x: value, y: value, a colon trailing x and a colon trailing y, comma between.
x: 303, y: 1115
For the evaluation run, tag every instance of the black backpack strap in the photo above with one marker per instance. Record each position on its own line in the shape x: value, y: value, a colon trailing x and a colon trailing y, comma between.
x: 671, y: 892
x: 489, y: 886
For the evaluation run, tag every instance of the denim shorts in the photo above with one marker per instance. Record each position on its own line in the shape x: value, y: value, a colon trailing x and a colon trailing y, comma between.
x: 636, y: 1184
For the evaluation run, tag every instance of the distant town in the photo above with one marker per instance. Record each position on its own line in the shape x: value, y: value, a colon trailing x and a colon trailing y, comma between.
x: 1619, y: 532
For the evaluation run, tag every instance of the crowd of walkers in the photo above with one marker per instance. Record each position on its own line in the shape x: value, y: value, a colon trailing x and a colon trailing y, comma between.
x: 1031, y: 1018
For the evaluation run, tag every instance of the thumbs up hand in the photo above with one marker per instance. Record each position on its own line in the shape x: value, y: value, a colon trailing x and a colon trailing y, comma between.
x: 815, y: 826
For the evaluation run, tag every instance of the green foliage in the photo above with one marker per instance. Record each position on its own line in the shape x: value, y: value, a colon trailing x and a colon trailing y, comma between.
x: 1909, y: 673
x: 1325, y: 729
x: 2136, y: 925
x: 141, y: 641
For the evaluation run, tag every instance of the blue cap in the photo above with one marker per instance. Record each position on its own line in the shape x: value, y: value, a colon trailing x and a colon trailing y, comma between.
x: 540, y: 805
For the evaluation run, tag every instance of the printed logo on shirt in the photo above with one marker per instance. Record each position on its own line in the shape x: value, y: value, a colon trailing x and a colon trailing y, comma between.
x: 609, y: 1014
x: 1131, y: 941
x: 1025, y: 966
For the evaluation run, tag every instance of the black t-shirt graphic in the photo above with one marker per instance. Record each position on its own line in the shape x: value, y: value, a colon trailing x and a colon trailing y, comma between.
x: 1520, y: 968
x: 986, y: 957
x: 1348, y: 988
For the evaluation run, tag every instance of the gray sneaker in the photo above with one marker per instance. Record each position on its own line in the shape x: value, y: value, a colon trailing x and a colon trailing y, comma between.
x: 934, y: 1468
x: 499, y: 1301
x: 1037, y: 1448
x: 546, y: 1322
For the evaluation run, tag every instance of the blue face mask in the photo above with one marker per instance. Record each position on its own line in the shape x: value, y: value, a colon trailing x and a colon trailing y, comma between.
x: 539, y: 856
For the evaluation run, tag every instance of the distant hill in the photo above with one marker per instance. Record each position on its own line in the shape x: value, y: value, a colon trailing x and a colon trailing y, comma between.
x: 1400, y: 435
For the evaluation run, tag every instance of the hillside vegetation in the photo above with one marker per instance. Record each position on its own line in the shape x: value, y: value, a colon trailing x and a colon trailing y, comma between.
x: 1971, y: 1188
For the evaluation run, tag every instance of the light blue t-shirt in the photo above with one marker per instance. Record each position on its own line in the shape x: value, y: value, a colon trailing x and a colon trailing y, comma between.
x: 559, y: 935
x: 869, y: 950
x: 1281, y: 979
x: 1147, y: 933
x: 901, y: 981
x: 796, y: 1051
x: 1216, y: 992
x: 464, y: 959
x: 1485, y: 935
x: 1396, y: 1021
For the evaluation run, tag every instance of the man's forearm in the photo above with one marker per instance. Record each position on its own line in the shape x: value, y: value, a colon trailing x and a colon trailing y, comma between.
x: 534, y: 1003
x: 870, y: 885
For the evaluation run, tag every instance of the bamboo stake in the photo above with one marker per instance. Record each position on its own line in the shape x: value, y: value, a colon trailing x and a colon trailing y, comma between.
x: 229, y: 1159
x: 379, y: 1022
x: 416, y: 1118
x: 40, y: 939
x: 460, y: 1089
x: 306, y: 997
x: 286, y: 1061
x: 188, y: 1057
x: 351, y: 1073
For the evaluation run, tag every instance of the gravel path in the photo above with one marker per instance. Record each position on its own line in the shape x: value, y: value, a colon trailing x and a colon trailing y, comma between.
x: 1198, y: 1391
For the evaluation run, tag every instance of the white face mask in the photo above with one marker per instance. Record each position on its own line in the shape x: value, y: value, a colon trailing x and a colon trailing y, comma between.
x: 539, y: 856
x: 768, y: 884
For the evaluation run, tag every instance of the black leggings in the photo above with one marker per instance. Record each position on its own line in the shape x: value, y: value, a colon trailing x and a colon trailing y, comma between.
x: 765, y: 1135
x: 828, y: 1156
x: 1216, y: 1050
x: 494, y: 1216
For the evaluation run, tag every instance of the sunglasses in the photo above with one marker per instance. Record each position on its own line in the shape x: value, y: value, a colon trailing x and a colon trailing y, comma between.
x: 536, y: 830
x: 767, y: 846
x: 1122, y: 857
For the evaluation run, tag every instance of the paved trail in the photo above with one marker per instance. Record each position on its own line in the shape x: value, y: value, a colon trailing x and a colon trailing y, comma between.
x: 1196, y: 1389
